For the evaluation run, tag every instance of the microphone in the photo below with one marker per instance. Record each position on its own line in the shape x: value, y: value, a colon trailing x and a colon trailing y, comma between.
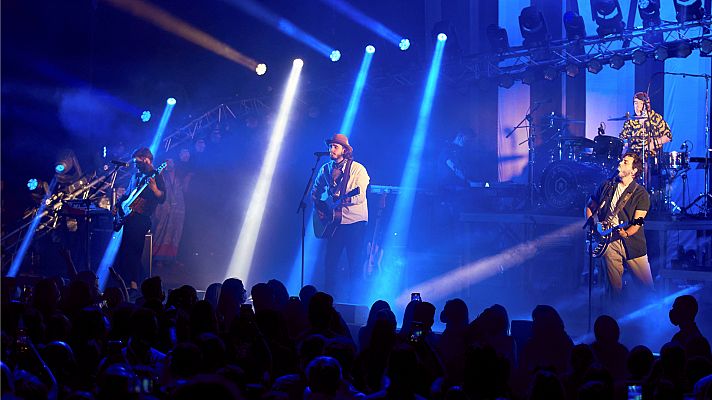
x: 321, y: 153
x: 120, y: 163
x: 602, y: 129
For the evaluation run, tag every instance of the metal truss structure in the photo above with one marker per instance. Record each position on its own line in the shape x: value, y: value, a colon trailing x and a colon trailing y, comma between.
x: 669, y: 39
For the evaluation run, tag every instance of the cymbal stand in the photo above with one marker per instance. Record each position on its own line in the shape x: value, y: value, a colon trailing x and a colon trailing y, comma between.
x: 706, y: 196
x: 530, y: 142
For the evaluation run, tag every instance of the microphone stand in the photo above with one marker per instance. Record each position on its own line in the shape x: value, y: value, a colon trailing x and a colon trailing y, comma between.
x: 302, y: 207
x: 590, y: 226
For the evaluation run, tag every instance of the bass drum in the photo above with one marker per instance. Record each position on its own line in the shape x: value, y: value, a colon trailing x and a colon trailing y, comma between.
x: 567, y: 185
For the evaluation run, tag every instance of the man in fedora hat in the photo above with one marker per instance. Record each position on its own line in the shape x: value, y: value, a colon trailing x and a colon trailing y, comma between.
x: 335, y: 179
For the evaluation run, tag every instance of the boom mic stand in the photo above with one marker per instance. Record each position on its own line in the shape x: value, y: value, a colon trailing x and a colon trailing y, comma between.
x: 302, y: 207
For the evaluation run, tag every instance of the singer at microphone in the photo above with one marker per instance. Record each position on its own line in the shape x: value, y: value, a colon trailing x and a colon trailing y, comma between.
x: 120, y: 163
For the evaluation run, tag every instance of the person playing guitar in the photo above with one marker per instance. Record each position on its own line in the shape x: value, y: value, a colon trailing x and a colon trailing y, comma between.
x: 624, y: 201
x: 343, y: 182
x: 137, y: 222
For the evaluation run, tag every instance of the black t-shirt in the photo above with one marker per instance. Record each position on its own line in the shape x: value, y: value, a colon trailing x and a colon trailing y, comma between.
x: 635, y: 245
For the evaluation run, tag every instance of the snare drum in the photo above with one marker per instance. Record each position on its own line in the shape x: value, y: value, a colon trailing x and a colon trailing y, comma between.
x: 676, y: 160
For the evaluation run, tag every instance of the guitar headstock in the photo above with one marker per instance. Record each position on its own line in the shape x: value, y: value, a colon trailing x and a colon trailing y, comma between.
x: 161, y: 167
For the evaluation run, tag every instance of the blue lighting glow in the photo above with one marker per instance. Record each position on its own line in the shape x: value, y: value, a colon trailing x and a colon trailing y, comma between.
x: 364, y: 20
x: 370, y: 49
x: 59, y: 168
x: 386, y: 285
x: 335, y: 55
x: 244, y: 251
x: 146, y: 116
x: 442, y: 37
x: 170, y: 103
x: 311, y: 244
x: 30, y: 232
x: 257, y: 10
x: 32, y: 184
x: 107, y: 260
x: 404, y: 44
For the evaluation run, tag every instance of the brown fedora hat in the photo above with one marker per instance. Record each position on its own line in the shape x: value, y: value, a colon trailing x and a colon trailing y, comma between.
x: 341, y: 139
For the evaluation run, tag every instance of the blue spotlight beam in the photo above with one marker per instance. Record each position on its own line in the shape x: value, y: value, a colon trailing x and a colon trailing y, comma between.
x: 283, y: 25
x: 364, y: 20
x: 245, y: 248
x: 170, y: 104
x: 30, y: 233
x: 107, y: 260
x: 400, y: 221
x: 311, y: 244
x: 355, y: 100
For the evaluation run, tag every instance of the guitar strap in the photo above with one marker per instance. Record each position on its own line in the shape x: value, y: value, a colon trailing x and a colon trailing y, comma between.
x: 622, y: 202
x: 345, y: 178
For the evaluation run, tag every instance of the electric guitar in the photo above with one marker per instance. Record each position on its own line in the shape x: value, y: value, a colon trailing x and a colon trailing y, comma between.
x: 604, y: 234
x: 328, y: 214
x: 124, y: 209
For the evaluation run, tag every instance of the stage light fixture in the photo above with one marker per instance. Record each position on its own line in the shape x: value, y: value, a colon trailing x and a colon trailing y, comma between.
x: 442, y: 37
x: 60, y: 168
x: 639, y: 57
x: 574, y: 25
x: 146, y: 116
x: 688, y: 10
x: 594, y: 66
x: 370, y: 49
x: 608, y: 17
x: 404, y: 44
x: 649, y: 12
x: 550, y: 73
x: 572, y: 70
x: 335, y: 55
x: 661, y: 53
x: 682, y: 49
x: 529, y: 75
x: 498, y: 38
x: 506, y: 81
x: 617, y: 61
x: 533, y: 27
x: 171, y: 101
x: 32, y: 184
x: 261, y: 69
x: 706, y: 46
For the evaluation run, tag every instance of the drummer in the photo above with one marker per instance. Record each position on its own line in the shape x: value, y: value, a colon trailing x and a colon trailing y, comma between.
x: 647, y: 129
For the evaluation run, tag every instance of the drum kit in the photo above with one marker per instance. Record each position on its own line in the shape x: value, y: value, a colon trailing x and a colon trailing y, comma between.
x: 577, y: 165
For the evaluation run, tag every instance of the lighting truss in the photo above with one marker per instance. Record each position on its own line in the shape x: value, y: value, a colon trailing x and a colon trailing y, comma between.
x: 559, y: 53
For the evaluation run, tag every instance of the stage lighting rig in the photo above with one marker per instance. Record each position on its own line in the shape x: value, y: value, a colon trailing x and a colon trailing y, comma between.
x: 574, y: 25
x: 688, y: 10
x: 649, y: 11
x: 608, y: 17
x: 498, y: 38
x: 533, y: 27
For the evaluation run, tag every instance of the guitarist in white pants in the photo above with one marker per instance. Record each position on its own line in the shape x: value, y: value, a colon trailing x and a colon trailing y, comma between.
x: 138, y: 222
x: 632, y: 202
x: 335, y: 180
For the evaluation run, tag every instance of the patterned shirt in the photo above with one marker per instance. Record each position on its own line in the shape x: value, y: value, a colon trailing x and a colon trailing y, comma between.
x: 634, y: 131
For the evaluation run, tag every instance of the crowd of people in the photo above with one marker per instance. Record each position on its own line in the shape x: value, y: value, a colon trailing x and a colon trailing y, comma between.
x: 64, y: 339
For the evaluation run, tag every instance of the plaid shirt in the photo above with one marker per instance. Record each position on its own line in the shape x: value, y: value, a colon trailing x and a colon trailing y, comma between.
x: 634, y: 131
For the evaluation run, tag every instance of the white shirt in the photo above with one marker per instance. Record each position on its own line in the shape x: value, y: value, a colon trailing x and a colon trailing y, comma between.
x: 357, y: 209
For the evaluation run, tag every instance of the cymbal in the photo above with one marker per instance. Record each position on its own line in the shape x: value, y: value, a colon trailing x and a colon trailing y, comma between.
x: 626, y: 118
x: 562, y: 119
